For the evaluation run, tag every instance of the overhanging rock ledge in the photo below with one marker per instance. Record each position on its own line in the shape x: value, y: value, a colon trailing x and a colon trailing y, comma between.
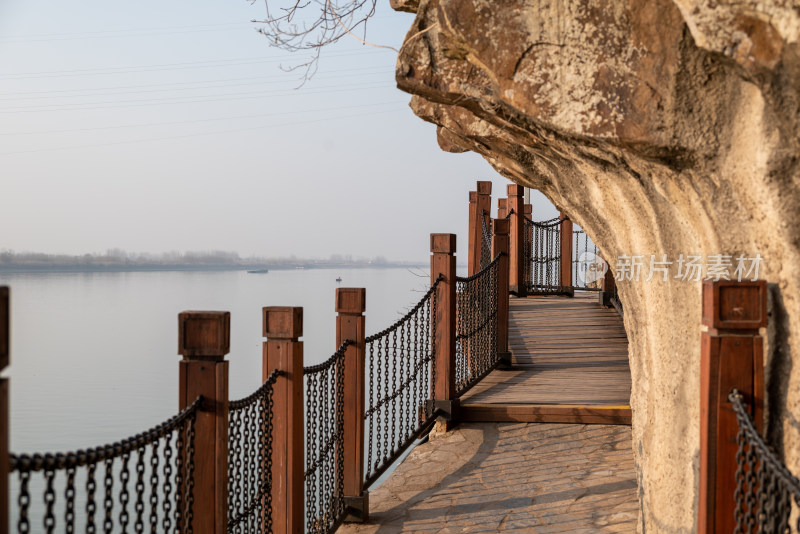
x: 661, y: 127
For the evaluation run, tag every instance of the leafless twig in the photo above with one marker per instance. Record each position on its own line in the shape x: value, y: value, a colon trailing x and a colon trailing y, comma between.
x: 309, y: 25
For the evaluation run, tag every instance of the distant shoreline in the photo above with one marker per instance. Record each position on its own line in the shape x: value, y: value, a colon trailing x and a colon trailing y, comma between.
x: 23, y: 269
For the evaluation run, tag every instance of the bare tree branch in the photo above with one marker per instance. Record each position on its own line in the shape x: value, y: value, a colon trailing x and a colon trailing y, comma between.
x: 309, y: 25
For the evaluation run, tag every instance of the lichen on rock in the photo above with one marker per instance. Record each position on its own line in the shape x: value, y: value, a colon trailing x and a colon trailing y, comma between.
x: 662, y: 127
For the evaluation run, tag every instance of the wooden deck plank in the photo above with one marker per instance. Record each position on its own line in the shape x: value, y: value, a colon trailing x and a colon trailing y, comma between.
x: 547, y: 413
x: 569, y: 365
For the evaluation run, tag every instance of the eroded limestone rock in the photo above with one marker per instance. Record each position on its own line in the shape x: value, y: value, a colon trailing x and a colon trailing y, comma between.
x: 661, y: 127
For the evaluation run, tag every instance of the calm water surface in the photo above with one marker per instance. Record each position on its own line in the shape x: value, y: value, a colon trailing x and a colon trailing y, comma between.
x: 94, y: 355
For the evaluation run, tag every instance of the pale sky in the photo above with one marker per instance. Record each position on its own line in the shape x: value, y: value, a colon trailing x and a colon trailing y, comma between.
x: 154, y: 126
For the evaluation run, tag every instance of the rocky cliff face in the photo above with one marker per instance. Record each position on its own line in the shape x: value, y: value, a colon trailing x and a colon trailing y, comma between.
x: 661, y: 127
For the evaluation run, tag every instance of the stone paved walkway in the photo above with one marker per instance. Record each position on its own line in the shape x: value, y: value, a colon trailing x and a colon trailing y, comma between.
x: 497, y: 477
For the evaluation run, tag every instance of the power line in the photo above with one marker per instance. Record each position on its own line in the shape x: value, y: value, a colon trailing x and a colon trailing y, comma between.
x: 269, y: 79
x: 199, y: 134
x: 187, y: 86
x: 195, y: 121
x: 131, y: 32
x: 245, y: 95
x: 183, y: 27
x: 9, y: 41
x: 170, y: 66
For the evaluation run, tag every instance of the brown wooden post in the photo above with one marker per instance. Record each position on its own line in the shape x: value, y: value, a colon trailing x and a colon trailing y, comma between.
x: 502, y: 208
x: 4, y: 409
x: 484, y: 210
x: 566, y: 255
x: 500, y: 246
x: 527, y: 210
x: 473, y: 235
x: 480, y: 205
x: 350, y: 305
x: 282, y: 326
x: 203, y: 341
x: 517, y: 243
x: 609, y: 284
x: 731, y: 357
x: 443, y: 262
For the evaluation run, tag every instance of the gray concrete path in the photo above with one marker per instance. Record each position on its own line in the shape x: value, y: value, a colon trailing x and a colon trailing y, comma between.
x: 498, y: 477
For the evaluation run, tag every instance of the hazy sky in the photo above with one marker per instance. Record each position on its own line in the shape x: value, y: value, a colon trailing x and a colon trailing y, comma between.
x: 154, y: 126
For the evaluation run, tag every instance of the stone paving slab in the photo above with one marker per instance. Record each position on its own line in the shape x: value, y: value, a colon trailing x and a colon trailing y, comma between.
x: 498, y: 477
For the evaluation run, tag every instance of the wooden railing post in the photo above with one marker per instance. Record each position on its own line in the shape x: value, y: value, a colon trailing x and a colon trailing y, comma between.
x: 282, y: 326
x: 203, y: 341
x: 502, y: 208
x: 500, y: 246
x: 480, y: 205
x: 473, y: 236
x: 609, y: 284
x: 517, y: 243
x: 484, y: 210
x: 5, y: 350
x: 527, y: 210
x: 443, y: 262
x: 566, y: 256
x: 350, y: 305
x: 731, y: 357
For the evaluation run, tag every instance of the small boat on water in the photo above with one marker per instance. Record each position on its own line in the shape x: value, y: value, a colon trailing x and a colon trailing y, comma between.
x: 338, y: 278
x: 258, y: 271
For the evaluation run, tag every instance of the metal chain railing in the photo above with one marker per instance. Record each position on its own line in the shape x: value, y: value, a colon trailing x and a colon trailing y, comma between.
x: 541, y: 273
x: 250, y: 425
x: 324, y: 416
x: 476, y: 326
x: 162, y: 460
x: 765, y: 489
x: 400, y: 377
x: 486, y: 241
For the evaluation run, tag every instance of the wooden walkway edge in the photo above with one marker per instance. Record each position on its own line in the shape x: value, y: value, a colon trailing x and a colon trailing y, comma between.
x: 569, y: 365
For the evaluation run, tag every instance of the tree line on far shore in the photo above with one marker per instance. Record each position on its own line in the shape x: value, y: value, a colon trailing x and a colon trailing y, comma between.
x: 119, y: 260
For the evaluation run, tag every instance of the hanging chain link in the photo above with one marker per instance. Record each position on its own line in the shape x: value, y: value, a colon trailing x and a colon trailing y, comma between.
x: 401, y: 377
x: 114, y: 459
x: 124, y: 496
x: 49, y: 501
x: 250, y: 460
x: 764, y: 486
x: 324, y: 415
x: 542, y: 249
x: 476, y: 326
x: 139, y: 487
x: 69, y: 499
x: 24, y: 501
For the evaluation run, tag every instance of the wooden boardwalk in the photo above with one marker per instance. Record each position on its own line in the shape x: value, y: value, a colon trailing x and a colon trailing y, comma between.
x: 500, y: 471
x: 569, y: 365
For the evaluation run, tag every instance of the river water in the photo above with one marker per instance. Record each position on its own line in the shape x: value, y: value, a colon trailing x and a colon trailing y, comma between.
x: 94, y: 355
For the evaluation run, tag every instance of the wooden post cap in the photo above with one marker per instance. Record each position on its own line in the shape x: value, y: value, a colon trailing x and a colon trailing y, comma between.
x: 515, y: 190
x: 733, y: 305
x: 351, y: 300
x: 4, y: 327
x: 443, y: 243
x: 502, y: 203
x: 204, y: 334
x: 473, y: 197
x: 282, y: 322
x: 527, y: 209
x: 501, y: 226
x: 484, y: 187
